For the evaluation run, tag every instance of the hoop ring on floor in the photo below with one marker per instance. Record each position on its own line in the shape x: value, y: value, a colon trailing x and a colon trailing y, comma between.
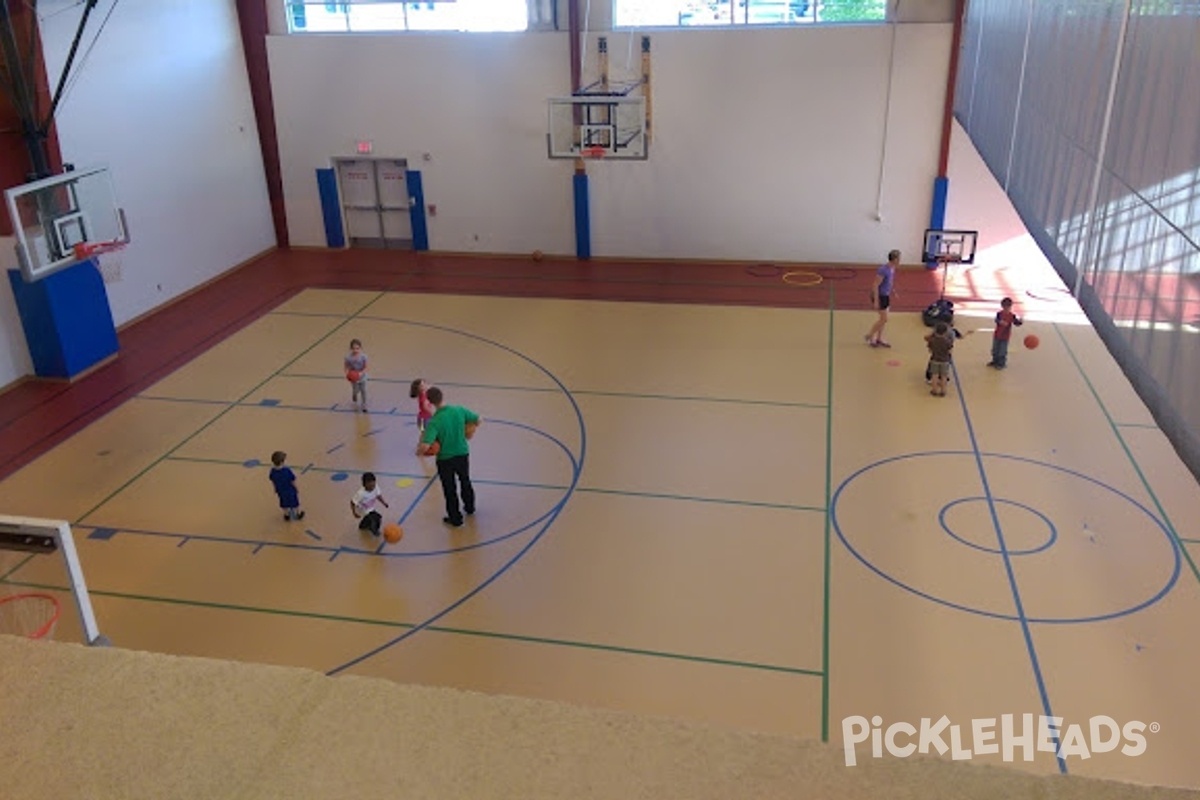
x: 802, y: 278
x: 29, y: 614
x: 764, y: 270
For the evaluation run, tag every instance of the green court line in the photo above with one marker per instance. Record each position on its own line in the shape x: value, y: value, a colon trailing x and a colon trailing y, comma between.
x: 1128, y: 453
x: 1146, y: 425
x: 524, y: 485
x: 226, y: 462
x: 828, y: 524
x: 23, y: 562
x: 579, y: 392
x: 227, y: 409
x: 439, y: 629
x: 722, y: 500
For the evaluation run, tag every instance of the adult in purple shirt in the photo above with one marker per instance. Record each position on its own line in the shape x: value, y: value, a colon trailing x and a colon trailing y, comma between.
x: 882, y: 292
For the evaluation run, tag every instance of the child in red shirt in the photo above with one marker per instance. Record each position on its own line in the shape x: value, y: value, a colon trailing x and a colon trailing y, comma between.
x: 425, y: 408
x: 1005, y: 319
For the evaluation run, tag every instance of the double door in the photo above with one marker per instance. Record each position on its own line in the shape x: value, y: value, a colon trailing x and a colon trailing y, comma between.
x: 376, y: 204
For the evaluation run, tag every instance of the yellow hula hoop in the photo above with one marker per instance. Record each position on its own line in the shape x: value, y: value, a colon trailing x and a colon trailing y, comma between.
x: 813, y: 278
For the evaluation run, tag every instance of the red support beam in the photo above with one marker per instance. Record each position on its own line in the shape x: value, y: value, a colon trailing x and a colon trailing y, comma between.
x: 15, y: 161
x: 252, y: 18
x: 960, y: 12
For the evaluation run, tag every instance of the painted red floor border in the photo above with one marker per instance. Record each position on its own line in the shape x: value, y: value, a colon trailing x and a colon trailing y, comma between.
x: 36, y: 415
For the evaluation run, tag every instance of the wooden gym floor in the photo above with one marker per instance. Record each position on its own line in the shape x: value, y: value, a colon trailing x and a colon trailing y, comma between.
x: 733, y: 513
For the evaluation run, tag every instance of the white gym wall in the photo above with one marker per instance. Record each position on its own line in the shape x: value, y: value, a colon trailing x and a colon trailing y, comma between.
x: 768, y: 143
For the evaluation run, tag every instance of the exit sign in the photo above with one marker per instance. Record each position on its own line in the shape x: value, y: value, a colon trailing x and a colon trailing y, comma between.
x: 364, y: 148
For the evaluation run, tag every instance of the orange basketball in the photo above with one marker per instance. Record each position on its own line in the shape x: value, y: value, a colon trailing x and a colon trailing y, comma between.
x: 392, y: 533
x: 1031, y: 341
x: 353, y: 375
x: 537, y: 255
x: 471, y: 427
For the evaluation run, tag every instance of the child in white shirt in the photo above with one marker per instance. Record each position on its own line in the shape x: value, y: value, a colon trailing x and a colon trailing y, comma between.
x: 363, y: 505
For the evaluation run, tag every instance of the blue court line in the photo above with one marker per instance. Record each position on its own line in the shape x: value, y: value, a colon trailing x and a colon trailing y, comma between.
x: 1012, y: 578
x: 1175, y: 567
x: 259, y: 544
x: 547, y: 486
x: 228, y: 407
x: 555, y: 511
x: 1146, y: 425
x: 554, y: 390
x: 1128, y: 453
x: 408, y: 511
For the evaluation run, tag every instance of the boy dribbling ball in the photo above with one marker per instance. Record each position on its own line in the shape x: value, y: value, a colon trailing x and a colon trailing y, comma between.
x: 364, y: 505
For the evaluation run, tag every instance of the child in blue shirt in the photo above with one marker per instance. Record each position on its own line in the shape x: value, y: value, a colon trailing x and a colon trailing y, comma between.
x: 284, y: 481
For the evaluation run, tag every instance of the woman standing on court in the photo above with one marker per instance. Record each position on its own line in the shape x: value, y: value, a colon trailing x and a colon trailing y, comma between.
x: 881, y: 298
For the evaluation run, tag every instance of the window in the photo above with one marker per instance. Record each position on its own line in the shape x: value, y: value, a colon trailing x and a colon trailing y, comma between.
x: 688, y: 13
x: 361, y: 16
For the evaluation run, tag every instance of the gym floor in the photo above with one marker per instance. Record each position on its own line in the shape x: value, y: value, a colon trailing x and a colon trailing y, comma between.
x: 701, y: 494
x: 711, y: 508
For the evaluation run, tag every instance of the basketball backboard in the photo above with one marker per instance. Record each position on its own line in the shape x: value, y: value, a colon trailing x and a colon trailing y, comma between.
x: 42, y: 590
x: 51, y: 216
x: 949, y: 247
x: 611, y: 126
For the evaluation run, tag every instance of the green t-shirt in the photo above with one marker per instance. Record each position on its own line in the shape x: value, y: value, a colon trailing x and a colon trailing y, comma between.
x: 449, y: 427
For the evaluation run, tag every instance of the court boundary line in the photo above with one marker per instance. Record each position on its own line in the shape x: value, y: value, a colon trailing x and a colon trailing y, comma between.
x: 229, y: 407
x: 315, y: 615
x: 577, y: 465
x: 1137, y: 468
x: 525, y: 485
x: 552, y: 390
x: 828, y: 567
x: 1026, y: 630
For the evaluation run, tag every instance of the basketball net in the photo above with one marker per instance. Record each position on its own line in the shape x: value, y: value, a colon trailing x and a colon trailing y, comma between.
x: 33, y: 615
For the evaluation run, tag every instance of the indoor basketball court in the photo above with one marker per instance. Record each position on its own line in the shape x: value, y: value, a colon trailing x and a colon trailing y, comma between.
x: 684, y: 510
x: 708, y: 490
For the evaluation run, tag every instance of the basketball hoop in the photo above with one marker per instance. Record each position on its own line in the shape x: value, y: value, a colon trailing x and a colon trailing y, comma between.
x: 85, y: 250
x: 594, y: 151
x: 33, y: 615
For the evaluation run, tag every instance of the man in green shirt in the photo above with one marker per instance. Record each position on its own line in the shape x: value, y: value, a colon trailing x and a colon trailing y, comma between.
x: 448, y: 428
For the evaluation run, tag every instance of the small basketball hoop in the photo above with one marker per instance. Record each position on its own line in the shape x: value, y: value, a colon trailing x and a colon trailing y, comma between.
x: 33, y: 615
x: 593, y: 152
x: 85, y: 250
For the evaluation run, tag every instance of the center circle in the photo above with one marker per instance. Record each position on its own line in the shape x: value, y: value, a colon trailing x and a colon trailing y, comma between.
x: 1160, y: 561
x: 1017, y: 522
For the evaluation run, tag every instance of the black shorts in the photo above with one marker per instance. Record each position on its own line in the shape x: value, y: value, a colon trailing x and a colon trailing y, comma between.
x: 885, y: 300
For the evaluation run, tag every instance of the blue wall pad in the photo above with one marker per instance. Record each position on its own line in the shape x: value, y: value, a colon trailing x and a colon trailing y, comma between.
x: 67, y: 321
x: 330, y: 208
x: 416, y: 211
x: 583, y: 225
x: 937, y: 215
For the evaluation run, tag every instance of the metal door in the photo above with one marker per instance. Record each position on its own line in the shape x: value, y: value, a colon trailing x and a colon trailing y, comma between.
x: 375, y: 203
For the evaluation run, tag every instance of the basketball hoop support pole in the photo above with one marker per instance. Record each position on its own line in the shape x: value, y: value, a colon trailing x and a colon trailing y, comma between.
x: 65, y: 544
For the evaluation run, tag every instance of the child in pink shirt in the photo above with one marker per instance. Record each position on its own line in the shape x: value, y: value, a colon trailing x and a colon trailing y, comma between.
x: 425, y: 408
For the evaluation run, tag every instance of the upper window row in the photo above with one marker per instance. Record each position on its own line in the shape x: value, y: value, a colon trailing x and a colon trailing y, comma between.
x: 349, y: 16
